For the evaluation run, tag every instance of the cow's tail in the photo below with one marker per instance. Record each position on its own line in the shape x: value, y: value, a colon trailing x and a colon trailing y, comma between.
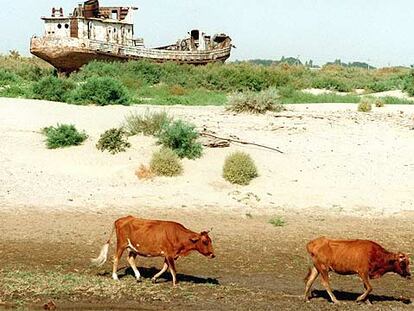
x: 103, y: 255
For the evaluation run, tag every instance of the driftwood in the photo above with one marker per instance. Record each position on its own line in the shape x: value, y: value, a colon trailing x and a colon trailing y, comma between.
x: 207, y: 134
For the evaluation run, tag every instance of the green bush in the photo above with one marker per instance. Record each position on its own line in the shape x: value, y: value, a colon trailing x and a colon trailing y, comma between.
x: 277, y: 221
x: 165, y: 162
x: 7, y: 77
x: 239, y: 168
x: 63, y: 135
x: 149, y: 123
x: 365, y: 105
x: 113, y: 140
x: 256, y: 102
x: 181, y: 137
x: 52, y: 88
x: 100, y: 91
x: 15, y: 91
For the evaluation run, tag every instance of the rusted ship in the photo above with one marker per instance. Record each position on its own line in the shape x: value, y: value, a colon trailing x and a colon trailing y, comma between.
x: 93, y: 32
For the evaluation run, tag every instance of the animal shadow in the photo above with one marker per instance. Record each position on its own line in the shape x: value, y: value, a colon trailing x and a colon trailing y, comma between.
x: 148, y: 273
x: 347, y: 296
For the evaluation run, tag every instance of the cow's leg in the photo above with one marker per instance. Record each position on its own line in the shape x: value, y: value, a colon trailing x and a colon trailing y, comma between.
x: 117, y: 256
x: 171, y: 265
x: 325, y: 283
x: 313, y: 274
x: 368, y: 288
x: 164, y: 268
x: 131, y: 260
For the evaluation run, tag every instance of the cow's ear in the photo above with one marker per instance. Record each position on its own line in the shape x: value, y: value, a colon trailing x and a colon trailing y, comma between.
x: 194, y: 239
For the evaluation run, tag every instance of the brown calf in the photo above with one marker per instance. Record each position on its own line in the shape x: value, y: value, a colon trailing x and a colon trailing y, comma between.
x: 154, y: 238
x: 366, y: 258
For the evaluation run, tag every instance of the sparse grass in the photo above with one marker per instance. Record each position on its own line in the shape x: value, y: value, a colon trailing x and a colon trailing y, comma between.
x: 113, y: 140
x: 149, y: 123
x: 277, y: 221
x: 256, y: 102
x: 165, y: 162
x: 389, y: 100
x: 239, y: 168
x: 299, y: 97
x: 63, y: 135
x: 365, y: 105
x: 181, y: 137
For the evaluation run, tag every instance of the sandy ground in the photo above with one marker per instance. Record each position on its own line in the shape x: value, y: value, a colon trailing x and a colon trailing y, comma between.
x: 343, y: 174
x: 334, y: 157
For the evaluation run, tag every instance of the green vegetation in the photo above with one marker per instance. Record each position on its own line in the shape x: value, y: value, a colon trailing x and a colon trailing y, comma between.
x: 100, y: 91
x: 165, y: 162
x: 239, y: 168
x: 277, y: 221
x: 181, y: 137
x: 149, y: 123
x: 143, y: 82
x: 256, y: 102
x: 52, y: 88
x: 63, y: 135
x: 113, y: 140
x: 365, y: 105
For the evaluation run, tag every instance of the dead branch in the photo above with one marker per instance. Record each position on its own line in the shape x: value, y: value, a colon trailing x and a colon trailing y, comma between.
x: 240, y: 142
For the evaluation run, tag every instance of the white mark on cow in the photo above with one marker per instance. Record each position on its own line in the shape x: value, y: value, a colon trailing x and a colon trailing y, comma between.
x: 131, y: 246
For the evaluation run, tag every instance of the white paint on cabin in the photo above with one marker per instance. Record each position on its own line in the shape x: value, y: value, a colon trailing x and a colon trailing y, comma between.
x: 99, y: 29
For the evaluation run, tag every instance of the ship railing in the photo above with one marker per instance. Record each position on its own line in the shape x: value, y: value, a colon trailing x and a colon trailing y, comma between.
x: 155, y: 53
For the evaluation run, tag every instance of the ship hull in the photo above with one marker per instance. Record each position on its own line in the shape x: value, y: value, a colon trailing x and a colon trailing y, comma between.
x: 70, y: 54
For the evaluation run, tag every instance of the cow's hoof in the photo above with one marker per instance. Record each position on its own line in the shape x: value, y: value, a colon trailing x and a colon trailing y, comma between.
x: 153, y: 281
x: 139, y: 280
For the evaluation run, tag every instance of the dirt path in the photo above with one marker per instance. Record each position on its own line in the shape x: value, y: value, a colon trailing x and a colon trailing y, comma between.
x: 45, y: 255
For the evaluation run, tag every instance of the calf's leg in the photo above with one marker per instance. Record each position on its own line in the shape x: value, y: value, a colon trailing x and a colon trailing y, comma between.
x: 164, y: 268
x: 117, y: 256
x: 171, y: 265
x: 367, y: 285
x: 131, y: 260
x: 313, y: 274
x: 325, y: 283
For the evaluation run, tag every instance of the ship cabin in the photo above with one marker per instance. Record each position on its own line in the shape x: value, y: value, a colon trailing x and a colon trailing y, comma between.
x: 89, y: 21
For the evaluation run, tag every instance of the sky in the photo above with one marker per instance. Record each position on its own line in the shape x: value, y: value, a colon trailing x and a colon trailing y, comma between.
x: 375, y: 31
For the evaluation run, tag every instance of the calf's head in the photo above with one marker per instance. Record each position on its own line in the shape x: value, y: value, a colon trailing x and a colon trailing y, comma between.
x: 401, y: 265
x: 202, y: 243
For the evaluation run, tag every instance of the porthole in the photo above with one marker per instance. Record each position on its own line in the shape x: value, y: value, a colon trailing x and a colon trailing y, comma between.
x: 59, y: 26
x: 66, y: 26
x: 114, y: 29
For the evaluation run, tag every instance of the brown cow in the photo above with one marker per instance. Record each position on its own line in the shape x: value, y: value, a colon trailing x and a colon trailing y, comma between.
x: 366, y: 258
x: 154, y: 238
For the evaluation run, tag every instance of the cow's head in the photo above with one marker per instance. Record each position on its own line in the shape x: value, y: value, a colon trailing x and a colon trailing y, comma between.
x: 202, y: 243
x: 401, y: 265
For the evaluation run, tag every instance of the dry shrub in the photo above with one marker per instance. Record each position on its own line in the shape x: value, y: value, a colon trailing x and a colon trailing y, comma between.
x: 149, y: 123
x: 256, y: 102
x: 165, y: 162
x: 239, y: 168
x: 177, y: 90
x: 379, y: 102
x: 144, y: 172
x: 365, y: 105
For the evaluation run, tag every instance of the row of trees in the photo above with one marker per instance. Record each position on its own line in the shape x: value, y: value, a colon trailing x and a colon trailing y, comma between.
x: 308, y: 63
